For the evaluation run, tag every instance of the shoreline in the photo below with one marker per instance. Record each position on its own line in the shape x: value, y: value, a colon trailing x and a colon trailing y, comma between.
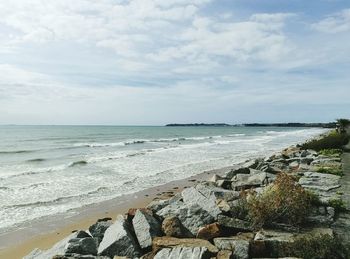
x: 19, y: 243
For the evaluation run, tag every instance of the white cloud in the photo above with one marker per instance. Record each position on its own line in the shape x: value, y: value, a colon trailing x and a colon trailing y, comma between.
x: 339, y: 22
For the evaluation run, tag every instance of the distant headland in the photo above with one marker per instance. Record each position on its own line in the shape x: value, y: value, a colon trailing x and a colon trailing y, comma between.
x: 290, y: 124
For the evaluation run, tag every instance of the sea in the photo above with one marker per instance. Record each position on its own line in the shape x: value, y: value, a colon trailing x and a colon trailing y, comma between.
x: 50, y: 170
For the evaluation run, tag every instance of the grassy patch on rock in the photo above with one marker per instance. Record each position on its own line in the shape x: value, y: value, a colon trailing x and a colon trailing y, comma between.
x: 332, y: 152
x: 333, y: 140
x: 330, y: 169
x: 284, y: 201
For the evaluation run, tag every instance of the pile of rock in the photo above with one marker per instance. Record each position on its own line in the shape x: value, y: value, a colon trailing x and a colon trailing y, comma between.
x: 204, y: 221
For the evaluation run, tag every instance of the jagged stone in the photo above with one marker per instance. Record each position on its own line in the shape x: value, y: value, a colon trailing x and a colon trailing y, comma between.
x: 160, y: 204
x: 58, y: 249
x: 323, y: 185
x: 118, y: 240
x: 146, y: 227
x: 98, y: 229
x: 272, y: 243
x: 183, y: 253
x: 203, y: 198
x: 192, y: 217
x: 172, y: 242
x: 240, y: 247
x: 234, y: 224
x: 225, y: 254
x: 172, y: 227
x: 240, y: 170
x: 254, y: 179
x: 209, y: 231
x: 83, y: 246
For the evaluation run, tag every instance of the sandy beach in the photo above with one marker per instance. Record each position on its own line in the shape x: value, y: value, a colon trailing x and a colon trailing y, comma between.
x: 48, y: 231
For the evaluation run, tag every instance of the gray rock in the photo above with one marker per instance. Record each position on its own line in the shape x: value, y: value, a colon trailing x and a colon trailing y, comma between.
x: 240, y: 170
x: 254, y: 179
x: 98, y: 229
x: 58, y: 249
x: 171, y: 242
x: 160, y: 204
x: 183, y: 253
x: 146, y: 227
x: 239, y: 247
x: 274, y: 243
x: 83, y: 246
x: 118, y: 240
x: 294, y: 164
x: 323, y: 185
x: 234, y: 223
x: 203, y: 197
x: 192, y: 217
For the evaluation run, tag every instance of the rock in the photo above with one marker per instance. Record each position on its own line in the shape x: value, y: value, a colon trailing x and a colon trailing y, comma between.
x: 240, y: 247
x: 192, y: 217
x: 209, y: 231
x: 58, y: 249
x: 294, y: 165
x: 290, y: 152
x: 225, y: 254
x: 254, y: 179
x: 183, y: 253
x: 215, y: 178
x: 160, y: 204
x: 118, y: 240
x: 78, y: 256
x: 272, y: 243
x: 203, y: 198
x: 172, y: 242
x: 234, y: 224
x: 323, y: 185
x: 172, y: 227
x: 226, y: 184
x: 240, y: 170
x: 98, y: 229
x: 146, y: 227
x: 83, y: 246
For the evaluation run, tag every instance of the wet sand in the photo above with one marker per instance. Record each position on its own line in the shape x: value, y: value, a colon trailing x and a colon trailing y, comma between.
x: 46, y: 232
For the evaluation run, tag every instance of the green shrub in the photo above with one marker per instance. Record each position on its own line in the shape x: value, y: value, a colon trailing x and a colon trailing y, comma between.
x: 284, y: 201
x: 335, y: 152
x: 338, y: 205
x: 330, y: 170
x: 333, y: 140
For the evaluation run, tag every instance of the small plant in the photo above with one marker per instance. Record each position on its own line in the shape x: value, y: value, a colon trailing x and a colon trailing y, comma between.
x: 338, y: 205
x: 330, y: 170
x: 284, y: 201
x: 334, y: 152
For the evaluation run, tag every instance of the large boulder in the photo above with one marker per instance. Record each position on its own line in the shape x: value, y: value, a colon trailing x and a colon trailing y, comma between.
x: 58, y: 249
x: 234, y: 224
x: 203, y: 198
x: 118, y: 240
x: 172, y: 242
x: 254, y: 179
x: 307, y: 244
x: 98, y: 229
x: 157, y: 205
x: 146, y: 227
x: 324, y: 185
x: 183, y: 253
x: 82, y: 246
x: 209, y: 231
x: 191, y: 216
x: 173, y: 227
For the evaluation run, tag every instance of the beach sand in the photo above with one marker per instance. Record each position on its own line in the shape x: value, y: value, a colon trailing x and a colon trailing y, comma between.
x: 46, y: 232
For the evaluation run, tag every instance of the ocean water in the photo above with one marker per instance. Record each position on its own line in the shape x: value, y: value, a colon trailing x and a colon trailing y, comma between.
x: 46, y: 170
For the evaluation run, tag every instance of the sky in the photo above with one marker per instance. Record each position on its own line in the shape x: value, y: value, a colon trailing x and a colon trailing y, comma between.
x: 152, y: 62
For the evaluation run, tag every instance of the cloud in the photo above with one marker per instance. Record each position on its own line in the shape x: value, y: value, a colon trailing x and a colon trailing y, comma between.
x: 336, y: 23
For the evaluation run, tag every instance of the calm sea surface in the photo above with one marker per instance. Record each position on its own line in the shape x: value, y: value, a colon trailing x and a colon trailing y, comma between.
x: 45, y: 170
